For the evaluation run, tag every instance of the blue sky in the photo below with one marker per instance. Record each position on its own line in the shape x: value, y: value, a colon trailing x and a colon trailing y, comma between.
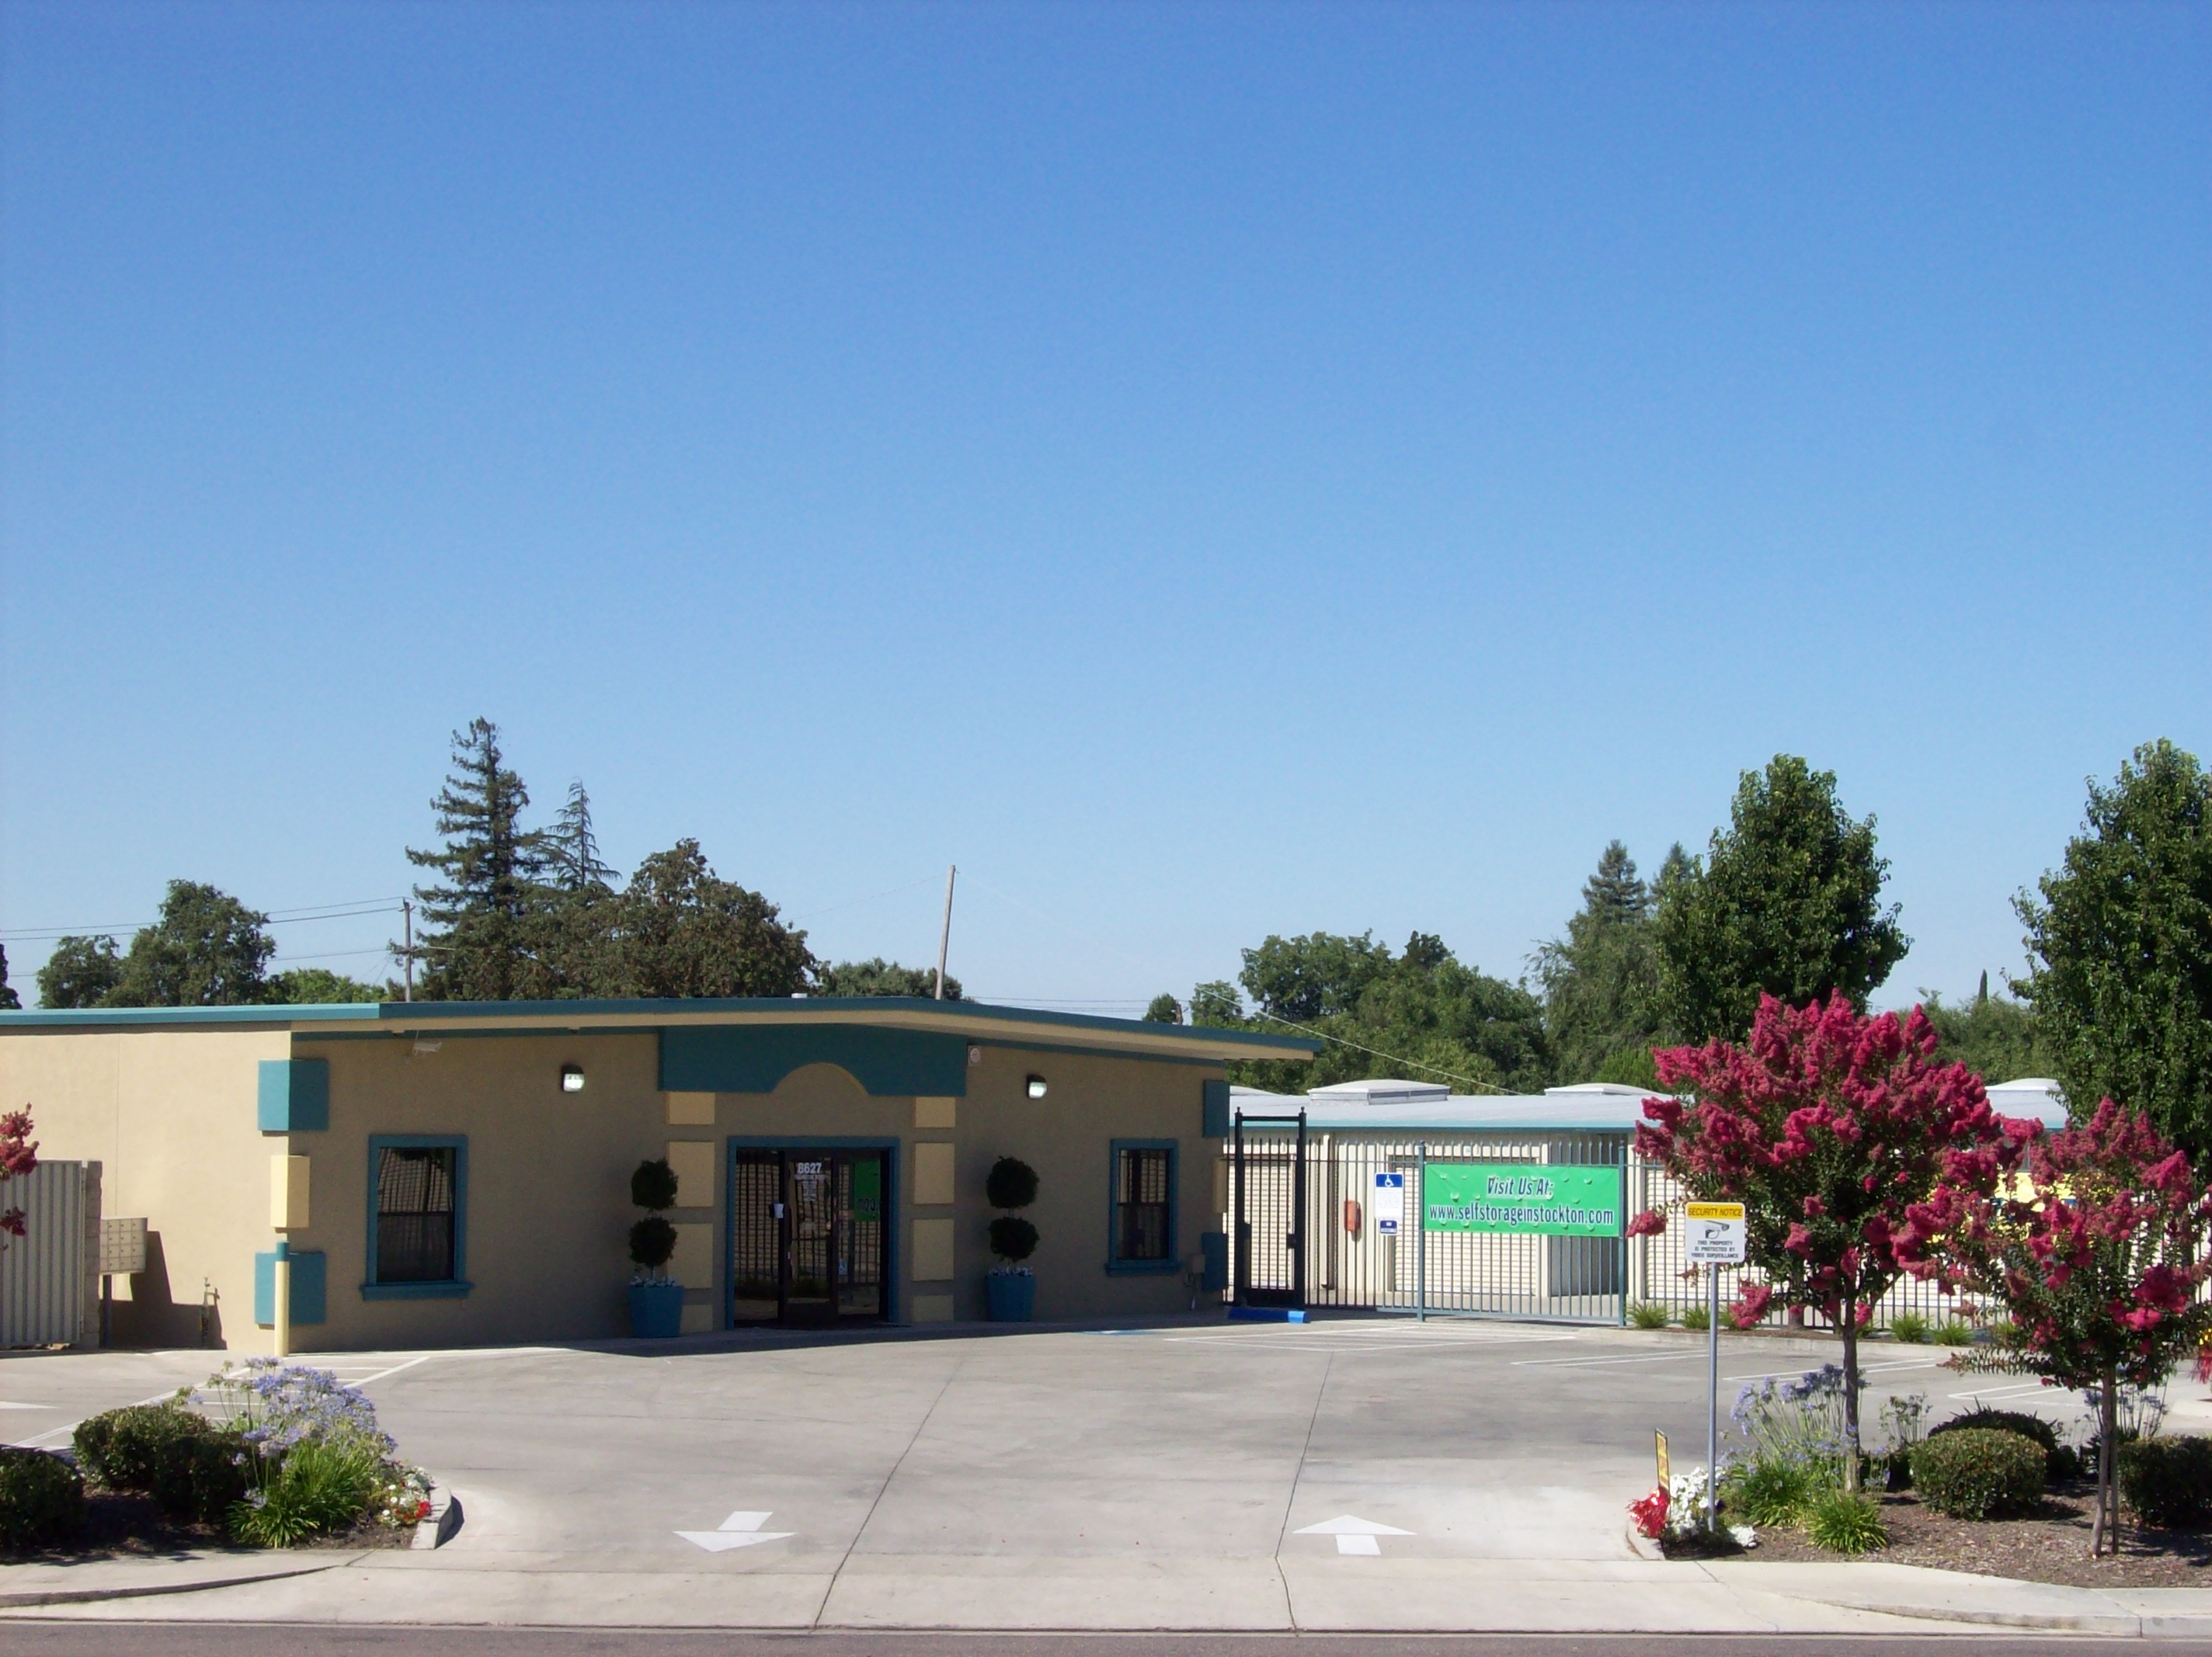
x: 1208, y: 471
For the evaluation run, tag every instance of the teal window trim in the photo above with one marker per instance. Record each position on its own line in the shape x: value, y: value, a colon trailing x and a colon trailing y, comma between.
x: 1115, y: 1266
x: 458, y: 1285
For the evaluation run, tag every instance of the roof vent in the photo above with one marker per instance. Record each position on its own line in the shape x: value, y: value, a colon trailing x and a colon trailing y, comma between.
x: 1610, y: 1089
x: 1381, y: 1091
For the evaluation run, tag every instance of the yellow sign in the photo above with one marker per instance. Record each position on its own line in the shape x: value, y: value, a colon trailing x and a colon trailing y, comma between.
x: 1664, y: 1482
x: 1714, y: 1210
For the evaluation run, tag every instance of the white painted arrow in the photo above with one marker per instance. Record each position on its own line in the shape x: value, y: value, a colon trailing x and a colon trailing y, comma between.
x: 1352, y: 1535
x: 740, y: 1530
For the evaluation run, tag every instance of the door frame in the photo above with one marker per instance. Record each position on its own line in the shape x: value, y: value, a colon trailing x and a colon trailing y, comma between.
x: 895, y: 1298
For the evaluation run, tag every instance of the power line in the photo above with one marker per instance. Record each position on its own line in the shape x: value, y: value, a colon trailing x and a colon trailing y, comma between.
x: 349, y: 910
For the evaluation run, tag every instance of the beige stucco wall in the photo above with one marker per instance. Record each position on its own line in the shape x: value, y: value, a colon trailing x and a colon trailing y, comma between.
x: 170, y: 1116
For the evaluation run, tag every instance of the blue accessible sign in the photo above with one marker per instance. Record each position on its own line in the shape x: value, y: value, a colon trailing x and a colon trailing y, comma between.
x: 1389, y: 1202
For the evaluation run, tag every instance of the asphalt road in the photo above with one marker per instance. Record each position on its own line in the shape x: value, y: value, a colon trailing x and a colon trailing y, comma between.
x: 250, y: 1640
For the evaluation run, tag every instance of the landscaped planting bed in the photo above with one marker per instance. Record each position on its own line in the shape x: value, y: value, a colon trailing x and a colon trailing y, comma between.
x: 266, y: 1455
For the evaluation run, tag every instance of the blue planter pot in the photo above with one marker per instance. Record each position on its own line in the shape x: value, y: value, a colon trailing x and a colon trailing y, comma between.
x: 656, y: 1310
x: 1013, y: 1296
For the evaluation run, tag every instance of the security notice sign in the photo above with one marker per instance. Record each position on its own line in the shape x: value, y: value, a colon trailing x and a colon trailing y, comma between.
x: 1529, y: 1198
x: 1712, y: 1234
x: 1389, y: 1202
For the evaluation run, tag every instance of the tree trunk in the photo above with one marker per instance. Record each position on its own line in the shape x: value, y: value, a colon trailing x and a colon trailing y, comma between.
x: 1849, y: 1328
x: 2108, y: 1527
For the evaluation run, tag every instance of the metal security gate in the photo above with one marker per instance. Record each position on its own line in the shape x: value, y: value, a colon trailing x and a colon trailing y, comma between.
x: 1267, y: 1196
x: 1346, y: 1254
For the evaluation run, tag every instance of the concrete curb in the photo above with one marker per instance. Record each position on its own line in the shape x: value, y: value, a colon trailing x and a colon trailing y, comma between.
x: 442, y: 1523
x: 19, y: 1599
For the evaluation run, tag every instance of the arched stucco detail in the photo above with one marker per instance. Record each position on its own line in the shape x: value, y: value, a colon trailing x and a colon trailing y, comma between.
x: 756, y: 1058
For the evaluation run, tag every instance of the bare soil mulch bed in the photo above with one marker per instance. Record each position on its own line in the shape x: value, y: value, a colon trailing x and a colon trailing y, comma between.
x: 2050, y: 1545
x: 118, y: 1525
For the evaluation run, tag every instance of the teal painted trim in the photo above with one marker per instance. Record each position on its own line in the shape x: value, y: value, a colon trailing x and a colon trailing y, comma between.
x: 310, y: 1279
x: 953, y: 1015
x: 753, y: 1058
x: 1213, y: 1110
x: 459, y: 1283
x: 895, y: 1297
x: 1115, y: 1266
x: 295, y: 1095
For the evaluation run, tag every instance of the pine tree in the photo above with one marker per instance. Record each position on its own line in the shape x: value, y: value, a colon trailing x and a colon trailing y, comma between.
x: 1600, y: 980
x: 477, y: 945
x: 8, y: 1000
x: 573, y: 848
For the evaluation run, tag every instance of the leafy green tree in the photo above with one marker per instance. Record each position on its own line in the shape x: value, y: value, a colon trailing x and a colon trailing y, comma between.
x: 79, y: 973
x: 319, y: 986
x: 9, y: 998
x: 1600, y: 981
x: 2121, y: 942
x: 484, y: 913
x: 1165, y: 1009
x: 1423, y: 1013
x: 207, y: 950
x: 1787, y: 903
x: 683, y: 931
x: 1992, y: 1035
x: 878, y: 976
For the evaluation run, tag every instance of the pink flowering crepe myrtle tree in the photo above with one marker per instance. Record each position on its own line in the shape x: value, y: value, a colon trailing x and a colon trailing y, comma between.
x: 18, y: 1155
x: 2098, y: 1258
x: 1828, y: 1126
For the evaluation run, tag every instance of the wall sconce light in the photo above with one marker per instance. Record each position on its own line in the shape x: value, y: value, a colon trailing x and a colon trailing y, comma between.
x: 572, y: 1079
x: 1036, y: 1087
x: 974, y: 1055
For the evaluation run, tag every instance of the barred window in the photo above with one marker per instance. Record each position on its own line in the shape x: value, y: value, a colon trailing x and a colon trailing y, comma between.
x: 1142, y: 1179
x: 415, y: 1213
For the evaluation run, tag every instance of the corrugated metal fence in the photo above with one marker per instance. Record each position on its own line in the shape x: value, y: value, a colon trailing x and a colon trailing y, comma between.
x: 50, y: 1277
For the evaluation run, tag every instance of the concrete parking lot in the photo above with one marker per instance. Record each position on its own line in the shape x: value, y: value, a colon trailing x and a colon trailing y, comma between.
x: 1353, y: 1473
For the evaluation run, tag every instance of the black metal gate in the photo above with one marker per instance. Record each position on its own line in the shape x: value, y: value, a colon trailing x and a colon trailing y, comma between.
x: 1268, y: 1193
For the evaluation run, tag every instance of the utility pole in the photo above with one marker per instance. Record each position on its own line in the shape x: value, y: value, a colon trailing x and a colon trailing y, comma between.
x: 945, y: 938
x: 407, y: 920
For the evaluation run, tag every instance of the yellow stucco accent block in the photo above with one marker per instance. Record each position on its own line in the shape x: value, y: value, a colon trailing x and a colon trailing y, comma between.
x: 935, y: 1113
x: 691, y: 1110
x: 932, y: 1175
x: 693, y: 1263
x: 288, y: 1192
x: 697, y: 1319
x: 694, y: 1162
x: 932, y: 1308
x: 932, y: 1251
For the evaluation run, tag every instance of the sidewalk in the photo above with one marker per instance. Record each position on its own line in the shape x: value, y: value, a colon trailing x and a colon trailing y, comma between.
x: 968, y: 1591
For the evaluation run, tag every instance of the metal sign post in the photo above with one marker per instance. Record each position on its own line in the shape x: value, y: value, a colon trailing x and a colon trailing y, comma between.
x: 1713, y: 1237
x: 1421, y: 1243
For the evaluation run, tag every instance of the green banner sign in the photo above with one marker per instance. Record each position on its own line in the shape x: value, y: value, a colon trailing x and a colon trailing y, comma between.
x: 1525, y: 1198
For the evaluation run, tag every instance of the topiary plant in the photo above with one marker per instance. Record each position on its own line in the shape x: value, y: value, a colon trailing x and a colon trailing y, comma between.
x: 2057, y: 1457
x: 1977, y: 1472
x: 653, y: 1240
x: 1011, y: 1183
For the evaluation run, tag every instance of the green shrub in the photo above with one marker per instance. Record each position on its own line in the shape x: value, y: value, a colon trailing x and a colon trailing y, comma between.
x: 1840, y: 1522
x: 1955, y: 1333
x: 1698, y: 1318
x: 2167, y: 1481
x: 1908, y: 1326
x: 193, y: 1468
x: 222, y: 1471
x: 1012, y: 1238
x: 42, y: 1499
x: 1011, y: 1183
x: 2059, y: 1460
x: 320, y: 1487
x: 1770, y: 1491
x: 1979, y: 1472
x: 1647, y: 1314
x: 652, y: 1186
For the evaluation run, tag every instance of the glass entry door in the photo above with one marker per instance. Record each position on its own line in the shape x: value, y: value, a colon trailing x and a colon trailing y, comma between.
x: 806, y: 1236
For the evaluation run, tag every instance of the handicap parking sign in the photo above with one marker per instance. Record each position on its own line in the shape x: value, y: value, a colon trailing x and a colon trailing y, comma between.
x: 1389, y: 1202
